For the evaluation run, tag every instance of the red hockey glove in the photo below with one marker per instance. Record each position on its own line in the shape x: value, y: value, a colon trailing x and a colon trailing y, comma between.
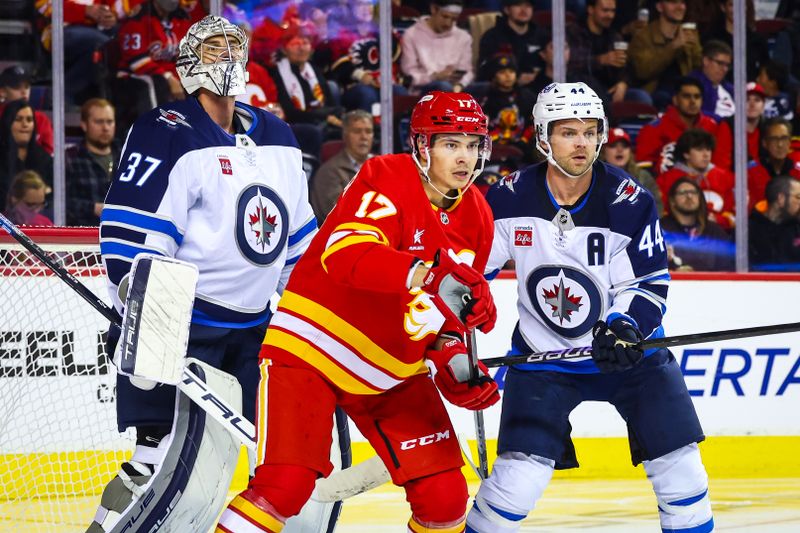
x: 453, y: 377
x: 460, y: 292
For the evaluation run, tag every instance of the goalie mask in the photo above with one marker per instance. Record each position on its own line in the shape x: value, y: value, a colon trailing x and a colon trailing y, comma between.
x: 213, y: 55
x: 442, y: 112
x: 563, y: 101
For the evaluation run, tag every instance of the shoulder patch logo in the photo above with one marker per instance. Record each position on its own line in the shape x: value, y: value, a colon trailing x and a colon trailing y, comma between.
x: 627, y: 190
x: 510, y: 180
x: 523, y: 237
x: 173, y: 118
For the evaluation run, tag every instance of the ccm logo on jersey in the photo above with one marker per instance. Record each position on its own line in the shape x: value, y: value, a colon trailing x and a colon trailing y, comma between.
x: 424, y: 441
x: 225, y: 165
x: 523, y: 237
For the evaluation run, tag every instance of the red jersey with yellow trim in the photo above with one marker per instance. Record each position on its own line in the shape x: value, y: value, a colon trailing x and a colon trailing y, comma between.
x: 347, y: 310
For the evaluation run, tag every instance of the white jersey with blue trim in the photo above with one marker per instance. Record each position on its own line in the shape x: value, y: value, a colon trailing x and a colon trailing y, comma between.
x: 235, y: 205
x: 602, y: 258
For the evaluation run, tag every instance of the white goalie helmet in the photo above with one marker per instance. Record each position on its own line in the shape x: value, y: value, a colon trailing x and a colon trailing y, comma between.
x: 218, y: 66
x: 563, y: 101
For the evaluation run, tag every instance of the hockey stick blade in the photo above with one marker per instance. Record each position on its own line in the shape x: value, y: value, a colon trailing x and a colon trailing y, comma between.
x: 190, y: 384
x: 663, y: 342
x: 352, y: 481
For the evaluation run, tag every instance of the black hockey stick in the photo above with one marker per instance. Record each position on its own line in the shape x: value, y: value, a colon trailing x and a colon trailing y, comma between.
x: 664, y: 342
x: 480, y: 425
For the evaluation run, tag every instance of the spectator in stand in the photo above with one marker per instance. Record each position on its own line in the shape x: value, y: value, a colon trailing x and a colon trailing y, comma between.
x: 774, y: 78
x: 656, y: 141
x: 776, y: 157
x: 149, y: 46
x: 507, y: 105
x: 754, y: 114
x: 599, y: 51
x: 89, y: 24
x: 91, y: 165
x: 722, y: 30
x: 335, y: 173
x: 693, y: 160
x: 15, y: 84
x: 694, y: 242
x: 18, y: 147
x: 617, y: 151
x: 545, y: 76
x: 514, y: 33
x: 775, y: 234
x: 303, y: 92
x: 717, y: 91
x: 358, y: 67
x: 26, y: 199
x: 436, y: 54
x: 665, y: 50
x: 628, y: 19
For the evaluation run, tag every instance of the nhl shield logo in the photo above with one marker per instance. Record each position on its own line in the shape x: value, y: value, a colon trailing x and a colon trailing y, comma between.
x: 262, y: 224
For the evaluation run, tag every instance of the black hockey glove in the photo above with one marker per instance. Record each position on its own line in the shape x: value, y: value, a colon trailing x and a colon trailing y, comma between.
x: 615, y: 346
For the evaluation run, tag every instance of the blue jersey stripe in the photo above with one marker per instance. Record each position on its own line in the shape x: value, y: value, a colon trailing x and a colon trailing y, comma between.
x: 298, y: 235
x: 125, y: 250
x: 142, y: 221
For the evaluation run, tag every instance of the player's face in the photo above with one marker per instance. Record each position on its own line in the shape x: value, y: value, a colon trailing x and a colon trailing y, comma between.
x: 453, y: 158
x: 755, y: 106
x: 358, y: 137
x: 699, y: 158
x: 100, y: 126
x: 573, y: 143
x: 777, y: 141
x: 215, y: 49
x: 688, y: 100
x: 22, y: 127
x: 686, y: 200
x: 617, y: 154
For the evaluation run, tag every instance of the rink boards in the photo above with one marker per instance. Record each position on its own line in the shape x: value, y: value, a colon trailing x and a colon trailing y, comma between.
x: 746, y: 391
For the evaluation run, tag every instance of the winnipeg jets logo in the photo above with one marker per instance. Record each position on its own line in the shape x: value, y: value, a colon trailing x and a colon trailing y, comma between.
x: 172, y: 118
x: 418, y: 236
x: 627, y: 190
x: 262, y: 223
x: 562, y: 302
x: 566, y: 300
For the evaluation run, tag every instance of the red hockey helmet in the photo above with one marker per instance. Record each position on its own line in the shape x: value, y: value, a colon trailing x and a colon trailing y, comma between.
x: 441, y: 112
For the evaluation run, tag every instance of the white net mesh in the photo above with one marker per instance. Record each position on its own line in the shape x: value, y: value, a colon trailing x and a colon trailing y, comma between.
x: 58, y: 439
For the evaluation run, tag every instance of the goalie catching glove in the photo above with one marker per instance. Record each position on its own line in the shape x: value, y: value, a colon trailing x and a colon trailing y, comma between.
x: 460, y: 292
x: 616, y: 345
x: 453, y: 377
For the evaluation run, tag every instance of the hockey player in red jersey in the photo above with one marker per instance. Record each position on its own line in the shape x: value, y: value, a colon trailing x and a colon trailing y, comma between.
x: 379, y: 292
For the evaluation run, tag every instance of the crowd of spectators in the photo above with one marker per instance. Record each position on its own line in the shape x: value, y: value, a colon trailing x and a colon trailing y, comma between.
x: 316, y: 64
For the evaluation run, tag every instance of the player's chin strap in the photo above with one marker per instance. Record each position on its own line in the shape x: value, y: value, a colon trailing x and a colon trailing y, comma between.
x: 425, y: 169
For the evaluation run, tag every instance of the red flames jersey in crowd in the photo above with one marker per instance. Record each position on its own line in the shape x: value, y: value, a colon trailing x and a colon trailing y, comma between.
x: 717, y: 186
x: 260, y: 88
x: 149, y: 45
x: 346, y: 310
x: 655, y: 144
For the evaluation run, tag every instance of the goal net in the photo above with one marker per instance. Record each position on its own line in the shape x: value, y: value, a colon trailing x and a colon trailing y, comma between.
x: 59, y: 443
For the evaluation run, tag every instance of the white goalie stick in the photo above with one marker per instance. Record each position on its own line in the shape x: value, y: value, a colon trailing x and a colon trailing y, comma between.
x: 339, y: 485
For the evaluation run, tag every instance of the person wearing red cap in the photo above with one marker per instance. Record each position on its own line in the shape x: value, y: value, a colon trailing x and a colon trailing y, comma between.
x: 380, y: 291
x: 618, y: 151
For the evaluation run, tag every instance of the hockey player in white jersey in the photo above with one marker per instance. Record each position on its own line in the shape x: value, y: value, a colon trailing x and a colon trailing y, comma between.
x: 592, y: 268
x: 219, y: 184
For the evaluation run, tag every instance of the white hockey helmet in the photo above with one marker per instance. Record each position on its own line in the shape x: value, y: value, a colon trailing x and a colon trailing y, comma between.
x: 563, y: 101
x: 220, y: 69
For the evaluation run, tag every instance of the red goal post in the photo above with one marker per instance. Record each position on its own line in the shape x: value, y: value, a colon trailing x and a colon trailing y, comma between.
x: 58, y: 439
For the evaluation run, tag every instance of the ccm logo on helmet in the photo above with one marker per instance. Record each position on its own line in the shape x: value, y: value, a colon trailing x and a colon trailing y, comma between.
x: 424, y: 441
x: 467, y: 119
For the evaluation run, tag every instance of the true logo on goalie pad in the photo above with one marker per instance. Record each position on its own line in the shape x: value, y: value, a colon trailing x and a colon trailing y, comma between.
x: 262, y: 224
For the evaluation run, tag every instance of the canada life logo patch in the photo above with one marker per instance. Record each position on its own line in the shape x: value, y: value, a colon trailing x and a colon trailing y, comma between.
x: 262, y: 224
x: 225, y: 165
x: 523, y: 237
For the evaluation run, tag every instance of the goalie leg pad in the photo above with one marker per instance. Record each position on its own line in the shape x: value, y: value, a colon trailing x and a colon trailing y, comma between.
x: 681, y: 485
x: 189, y: 485
x: 510, y: 493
